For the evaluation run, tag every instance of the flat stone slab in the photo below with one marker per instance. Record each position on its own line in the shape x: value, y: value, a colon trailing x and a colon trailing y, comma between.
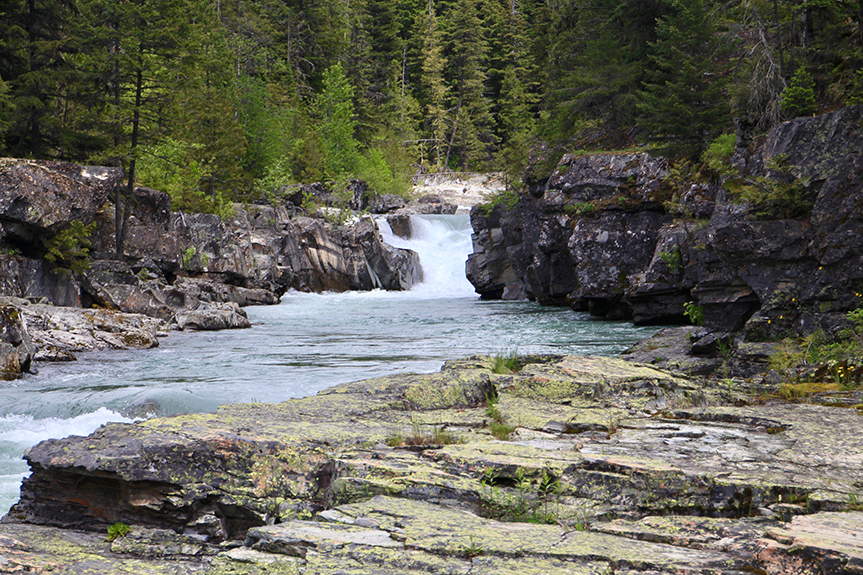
x: 825, y: 542
x: 610, y: 467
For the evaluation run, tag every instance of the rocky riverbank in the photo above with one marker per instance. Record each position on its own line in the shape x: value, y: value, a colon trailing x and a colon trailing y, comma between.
x: 188, y: 271
x: 766, y: 244
x: 567, y: 465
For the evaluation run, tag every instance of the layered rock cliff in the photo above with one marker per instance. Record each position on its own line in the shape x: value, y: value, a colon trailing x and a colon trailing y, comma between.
x: 175, y: 267
x: 771, y: 247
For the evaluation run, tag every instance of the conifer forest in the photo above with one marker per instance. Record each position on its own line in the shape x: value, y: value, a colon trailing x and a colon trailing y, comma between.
x: 216, y: 101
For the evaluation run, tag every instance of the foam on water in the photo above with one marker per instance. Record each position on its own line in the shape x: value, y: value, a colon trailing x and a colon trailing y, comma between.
x: 18, y: 432
x: 443, y: 244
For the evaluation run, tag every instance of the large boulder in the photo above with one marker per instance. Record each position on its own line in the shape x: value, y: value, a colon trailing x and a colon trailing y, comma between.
x: 213, y: 316
x: 36, y: 279
x: 38, y: 198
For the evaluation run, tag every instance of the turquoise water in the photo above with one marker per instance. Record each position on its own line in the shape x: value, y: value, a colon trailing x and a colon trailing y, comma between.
x: 305, y: 344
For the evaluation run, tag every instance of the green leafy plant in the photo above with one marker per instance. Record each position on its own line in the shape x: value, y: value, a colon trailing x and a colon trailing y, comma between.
x: 506, y: 363
x: 529, y: 500
x: 781, y: 196
x: 672, y: 259
x: 71, y: 246
x: 505, y: 198
x: 309, y: 203
x: 718, y: 154
x: 472, y: 550
x: 499, y: 428
x: 438, y: 435
x: 726, y: 348
x: 694, y: 312
x: 188, y: 256
x: 118, y: 530
x: 278, y: 176
x: 580, y: 209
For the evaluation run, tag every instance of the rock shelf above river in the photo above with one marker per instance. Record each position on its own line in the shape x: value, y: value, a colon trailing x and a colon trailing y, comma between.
x: 609, y: 467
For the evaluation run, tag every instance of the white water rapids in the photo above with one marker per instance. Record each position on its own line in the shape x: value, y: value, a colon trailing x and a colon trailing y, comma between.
x: 305, y: 344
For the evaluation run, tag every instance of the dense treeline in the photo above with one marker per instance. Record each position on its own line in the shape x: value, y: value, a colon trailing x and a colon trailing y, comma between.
x: 217, y: 100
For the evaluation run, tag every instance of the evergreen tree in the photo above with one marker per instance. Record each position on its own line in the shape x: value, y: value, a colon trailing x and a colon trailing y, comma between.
x: 433, y: 84
x: 470, y: 136
x: 798, y: 99
x: 139, y: 64
x: 33, y: 60
x: 516, y: 123
x: 682, y: 103
x: 336, y: 111
x: 206, y: 98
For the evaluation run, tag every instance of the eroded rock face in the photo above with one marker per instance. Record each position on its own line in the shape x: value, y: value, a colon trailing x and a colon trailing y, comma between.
x: 610, y: 466
x: 606, y: 235
x: 16, y: 347
x: 177, y: 261
x: 39, y: 197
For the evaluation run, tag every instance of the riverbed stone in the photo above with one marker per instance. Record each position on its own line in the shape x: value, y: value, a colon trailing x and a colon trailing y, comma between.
x: 66, y: 330
x: 213, y: 316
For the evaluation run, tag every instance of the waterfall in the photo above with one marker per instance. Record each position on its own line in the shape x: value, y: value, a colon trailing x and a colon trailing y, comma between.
x: 443, y: 243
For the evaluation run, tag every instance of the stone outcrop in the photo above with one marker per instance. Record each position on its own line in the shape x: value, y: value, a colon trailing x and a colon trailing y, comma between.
x: 622, y: 236
x: 258, y: 248
x: 174, y: 264
x: 58, y: 333
x: 16, y: 346
x: 39, y: 197
x: 608, y: 466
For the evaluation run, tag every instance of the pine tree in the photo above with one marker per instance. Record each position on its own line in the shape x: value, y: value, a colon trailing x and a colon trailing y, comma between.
x: 470, y: 136
x: 798, y: 99
x: 336, y: 111
x: 433, y: 84
x: 138, y: 63
x: 516, y: 124
x: 206, y: 104
x: 33, y: 59
x: 682, y: 103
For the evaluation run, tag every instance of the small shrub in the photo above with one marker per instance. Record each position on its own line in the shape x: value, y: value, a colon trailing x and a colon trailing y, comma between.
x: 694, y: 312
x: 500, y: 430
x: 188, y: 256
x: 498, y: 427
x: 798, y: 99
x: 528, y: 501
x: 419, y: 438
x: 580, y: 209
x: 672, y: 259
x: 506, y: 198
x: 71, y: 246
x: 718, y: 154
x: 278, y: 176
x: 118, y: 530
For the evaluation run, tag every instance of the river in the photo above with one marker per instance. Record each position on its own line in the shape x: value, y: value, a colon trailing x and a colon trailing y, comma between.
x: 305, y: 344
